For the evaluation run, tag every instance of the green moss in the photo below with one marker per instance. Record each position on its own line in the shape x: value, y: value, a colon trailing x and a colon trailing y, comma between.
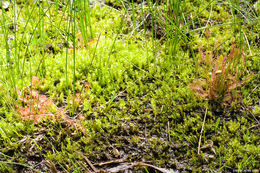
x: 138, y: 101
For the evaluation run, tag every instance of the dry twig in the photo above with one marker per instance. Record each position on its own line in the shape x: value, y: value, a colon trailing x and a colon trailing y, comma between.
x: 202, y: 130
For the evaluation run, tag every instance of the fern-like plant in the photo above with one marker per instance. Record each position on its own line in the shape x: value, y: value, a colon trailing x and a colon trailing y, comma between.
x: 220, y: 76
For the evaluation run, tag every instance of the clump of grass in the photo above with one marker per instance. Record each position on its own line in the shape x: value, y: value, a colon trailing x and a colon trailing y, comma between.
x: 84, y: 21
x: 221, y: 76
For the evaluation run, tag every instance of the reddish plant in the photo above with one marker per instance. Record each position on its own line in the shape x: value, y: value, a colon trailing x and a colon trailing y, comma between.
x: 38, y: 107
x: 221, y: 76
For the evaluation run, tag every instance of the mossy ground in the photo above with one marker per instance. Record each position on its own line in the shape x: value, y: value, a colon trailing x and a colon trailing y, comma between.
x: 134, y: 101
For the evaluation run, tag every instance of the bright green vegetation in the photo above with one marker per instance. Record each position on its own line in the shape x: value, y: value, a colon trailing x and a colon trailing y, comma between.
x: 136, y: 80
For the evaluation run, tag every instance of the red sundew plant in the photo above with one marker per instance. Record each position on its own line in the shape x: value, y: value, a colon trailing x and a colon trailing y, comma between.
x: 38, y: 107
x: 221, y: 76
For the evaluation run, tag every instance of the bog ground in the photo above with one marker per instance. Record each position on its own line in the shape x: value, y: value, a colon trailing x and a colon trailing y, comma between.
x: 129, y: 85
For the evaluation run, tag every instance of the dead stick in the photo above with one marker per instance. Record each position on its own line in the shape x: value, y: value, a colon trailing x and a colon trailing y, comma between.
x: 84, y: 167
x: 88, y: 161
x: 202, y: 130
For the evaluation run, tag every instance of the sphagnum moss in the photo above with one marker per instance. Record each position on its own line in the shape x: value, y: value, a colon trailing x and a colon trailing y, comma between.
x: 132, y: 89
